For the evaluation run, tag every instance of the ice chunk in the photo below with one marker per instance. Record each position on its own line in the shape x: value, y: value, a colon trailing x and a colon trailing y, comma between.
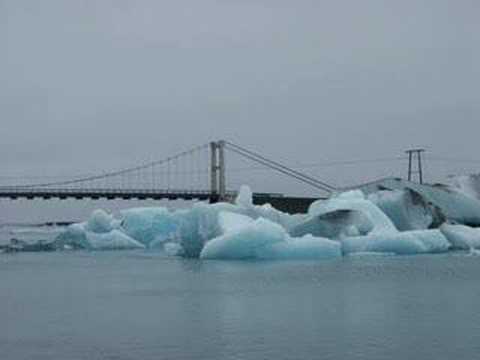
x: 406, y: 208
x: 190, y: 228
x: 73, y: 236
x: 231, y: 222
x: 244, y: 242
x: 244, y: 205
x: 400, y: 243
x: 202, y: 222
x: 335, y: 225
x: 113, y: 240
x: 32, y: 234
x: 100, y: 222
x: 78, y: 236
x: 452, y: 203
x: 467, y: 184
x: 244, y: 197
x: 264, y: 239
x: 351, y: 195
x: 149, y: 224
x: 461, y: 236
x: 374, y: 219
x: 196, y: 226
x: 307, y: 247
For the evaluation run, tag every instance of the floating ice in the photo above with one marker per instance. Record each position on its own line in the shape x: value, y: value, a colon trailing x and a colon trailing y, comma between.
x: 334, y: 225
x: 244, y: 197
x: 245, y: 238
x: 400, y: 243
x: 467, y: 184
x: 113, y: 240
x: 78, y: 236
x: 307, y: 247
x: 461, y: 236
x: 386, y: 222
x: 193, y: 227
x: 374, y: 219
x: 101, y: 222
x: 148, y: 225
x: 244, y: 205
x: 377, y: 231
x: 454, y: 204
x: 243, y: 242
x: 406, y: 208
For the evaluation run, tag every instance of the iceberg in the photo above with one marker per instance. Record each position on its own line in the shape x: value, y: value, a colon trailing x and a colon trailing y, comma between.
x: 402, y: 221
x: 113, y: 240
x: 400, y: 243
x: 192, y: 228
x: 244, y: 238
x: 372, y: 218
x: 454, y: 204
x: 365, y: 228
x: 467, y: 184
x: 148, y: 225
x: 306, y: 247
x: 80, y: 237
x: 101, y: 222
x: 461, y: 237
x: 407, y: 209
x: 336, y: 224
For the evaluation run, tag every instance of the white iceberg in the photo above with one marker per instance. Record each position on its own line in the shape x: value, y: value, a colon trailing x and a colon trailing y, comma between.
x: 78, y: 236
x: 377, y: 231
x: 336, y: 224
x: 399, y: 243
x: 373, y: 218
x: 245, y: 238
x: 348, y: 223
x: 406, y: 208
x: 462, y: 237
x: 101, y: 222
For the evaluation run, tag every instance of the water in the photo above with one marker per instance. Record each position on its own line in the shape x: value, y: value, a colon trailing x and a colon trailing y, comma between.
x: 139, y: 305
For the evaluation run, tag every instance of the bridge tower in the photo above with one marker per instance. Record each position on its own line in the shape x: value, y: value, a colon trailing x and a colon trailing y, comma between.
x: 217, y: 171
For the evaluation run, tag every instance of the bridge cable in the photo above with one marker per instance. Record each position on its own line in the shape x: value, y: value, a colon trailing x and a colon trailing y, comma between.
x: 118, y: 172
x: 279, y: 167
x: 282, y: 170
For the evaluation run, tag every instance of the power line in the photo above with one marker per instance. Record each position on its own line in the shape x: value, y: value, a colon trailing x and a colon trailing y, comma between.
x: 452, y: 159
x: 237, y: 169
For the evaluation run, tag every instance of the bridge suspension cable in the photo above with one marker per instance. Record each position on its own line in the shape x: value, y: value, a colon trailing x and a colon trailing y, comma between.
x: 274, y: 165
x: 136, y: 170
x: 198, y: 171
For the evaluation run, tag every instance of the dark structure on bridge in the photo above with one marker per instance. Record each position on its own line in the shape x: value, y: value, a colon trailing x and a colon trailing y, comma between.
x: 174, y: 178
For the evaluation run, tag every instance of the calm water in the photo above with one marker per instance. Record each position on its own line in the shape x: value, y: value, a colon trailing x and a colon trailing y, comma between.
x: 136, y: 305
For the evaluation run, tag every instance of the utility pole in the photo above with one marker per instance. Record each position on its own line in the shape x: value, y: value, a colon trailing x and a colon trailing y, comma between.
x: 412, y: 155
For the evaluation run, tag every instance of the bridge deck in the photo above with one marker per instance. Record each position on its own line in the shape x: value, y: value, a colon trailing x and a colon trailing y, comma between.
x: 278, y: 201
x: 110, y: 194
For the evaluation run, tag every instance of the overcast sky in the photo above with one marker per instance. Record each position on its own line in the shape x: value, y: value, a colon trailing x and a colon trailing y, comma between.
x: 92, y: 85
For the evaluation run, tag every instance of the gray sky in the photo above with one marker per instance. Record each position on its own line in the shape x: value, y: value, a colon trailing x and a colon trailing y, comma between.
x: 92, y: 85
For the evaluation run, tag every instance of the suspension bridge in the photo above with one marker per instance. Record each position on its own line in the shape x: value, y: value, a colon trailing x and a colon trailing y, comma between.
x: 197, y: 174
